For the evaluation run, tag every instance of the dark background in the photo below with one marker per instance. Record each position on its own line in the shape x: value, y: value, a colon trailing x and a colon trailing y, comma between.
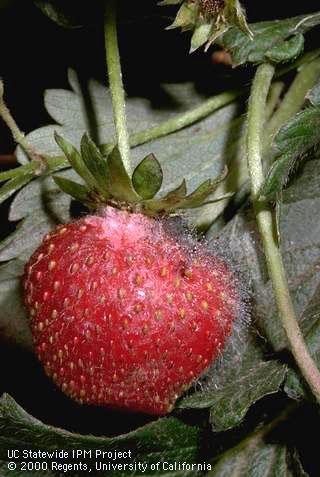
x: 34, y: 55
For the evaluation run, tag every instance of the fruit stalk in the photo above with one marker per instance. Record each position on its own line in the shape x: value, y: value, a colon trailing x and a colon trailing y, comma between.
x: 264, y: 217
x: 115, y: 82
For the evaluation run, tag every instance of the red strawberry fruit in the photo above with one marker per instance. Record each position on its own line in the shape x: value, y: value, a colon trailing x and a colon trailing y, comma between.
x: 123, y: 314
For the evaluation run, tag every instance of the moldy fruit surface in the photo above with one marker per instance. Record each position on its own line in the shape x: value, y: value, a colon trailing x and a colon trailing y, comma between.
x: 123, y: 314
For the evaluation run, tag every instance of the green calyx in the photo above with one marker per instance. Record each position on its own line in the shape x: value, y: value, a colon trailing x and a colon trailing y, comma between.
x: 106, y: 182
x: 208, y: 19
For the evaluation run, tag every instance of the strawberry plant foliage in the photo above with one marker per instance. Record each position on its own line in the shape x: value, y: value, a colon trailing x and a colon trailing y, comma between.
x: 274, y: 41
x: 292, y: 143
x: 229, y: 405
x: 169, y: 438
x: 251, y: 367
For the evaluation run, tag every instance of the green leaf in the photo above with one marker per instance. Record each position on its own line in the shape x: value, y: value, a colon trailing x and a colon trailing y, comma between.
x: 298, y: 135
x: 178, y: 193
x: 229, y: 405
x: 287, y: 51
x: 168, y: 202
x: 185, y: 17
x: 95, y: 163
x: 178, y: 199
x: 308, y: 181
x: 255, y: 457
x: 166, y: 440
x: 200, y: 36
x: 277, y: 40
x: 119, y: 184
x: 147, y: 177
x: 75, y: 160
x: 198, y: 197
x: 75, y: 190
x: 293, y: 141
x: 13, y: 185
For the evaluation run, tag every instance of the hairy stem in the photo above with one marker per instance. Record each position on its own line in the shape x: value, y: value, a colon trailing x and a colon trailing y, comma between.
x: 274, y: 96
x: 115, y: 82
x: 264, y: 216
x: 180, y: 121
x: 18, y: 135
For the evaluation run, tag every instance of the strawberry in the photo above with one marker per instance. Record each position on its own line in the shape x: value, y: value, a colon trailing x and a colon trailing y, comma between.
x: 123, y: 313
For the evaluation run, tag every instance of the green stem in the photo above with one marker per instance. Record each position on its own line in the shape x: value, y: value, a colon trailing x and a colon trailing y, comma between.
x: 18, y: 171
x: 17, y: 134
x: 275, y: 92
x: 180, y: 121
x: 53, y: 164
x: 115, y: 82
x: 264, y: 216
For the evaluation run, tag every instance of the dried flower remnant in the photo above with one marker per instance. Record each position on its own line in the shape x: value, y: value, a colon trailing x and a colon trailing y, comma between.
x: 208, y: 19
